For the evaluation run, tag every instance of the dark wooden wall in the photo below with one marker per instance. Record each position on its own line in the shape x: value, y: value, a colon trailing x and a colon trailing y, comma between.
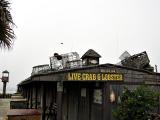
x: 76, y: 106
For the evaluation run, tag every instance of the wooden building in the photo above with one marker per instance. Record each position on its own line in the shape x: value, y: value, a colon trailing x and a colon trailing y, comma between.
x: 87, y: 92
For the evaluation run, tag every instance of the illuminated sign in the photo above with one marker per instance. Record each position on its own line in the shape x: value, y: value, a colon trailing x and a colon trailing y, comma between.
x: 95, y: 76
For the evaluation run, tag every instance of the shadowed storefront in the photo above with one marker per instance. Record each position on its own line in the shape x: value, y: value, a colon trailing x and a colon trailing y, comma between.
x: 83, y: 90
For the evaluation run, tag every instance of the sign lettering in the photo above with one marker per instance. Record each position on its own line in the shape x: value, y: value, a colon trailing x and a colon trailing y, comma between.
x: 95, y: 76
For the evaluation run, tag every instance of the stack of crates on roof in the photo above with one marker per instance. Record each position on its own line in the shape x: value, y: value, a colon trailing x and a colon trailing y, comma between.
x: 55, y: 63
x: 73, y: 60
x: 69, y: 60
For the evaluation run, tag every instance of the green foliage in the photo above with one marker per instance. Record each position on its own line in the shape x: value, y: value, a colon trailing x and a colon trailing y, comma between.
x: 6, y: 23
x: 136, y: 104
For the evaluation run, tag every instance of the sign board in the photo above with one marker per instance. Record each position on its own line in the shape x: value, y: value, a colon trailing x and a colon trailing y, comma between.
x: 97, y: 96
x: 75, y: 76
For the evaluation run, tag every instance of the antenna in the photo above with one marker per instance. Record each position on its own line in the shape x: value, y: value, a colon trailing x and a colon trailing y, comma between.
x: 156, y: 68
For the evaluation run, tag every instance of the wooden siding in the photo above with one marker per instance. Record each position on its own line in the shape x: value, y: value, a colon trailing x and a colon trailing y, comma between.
x: 82, y: 107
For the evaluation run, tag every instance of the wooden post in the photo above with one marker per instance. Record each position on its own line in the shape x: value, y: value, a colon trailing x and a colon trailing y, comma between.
x: 59, y: 100
x: 24, y: 92
x: 106, y: 102
x: 36, y: 96
x: 28, y: 96
x: 43, y: 101
x: 31, y: 98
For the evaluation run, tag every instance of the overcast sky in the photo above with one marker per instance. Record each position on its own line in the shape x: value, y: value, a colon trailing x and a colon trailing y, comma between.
x: 108, y: 26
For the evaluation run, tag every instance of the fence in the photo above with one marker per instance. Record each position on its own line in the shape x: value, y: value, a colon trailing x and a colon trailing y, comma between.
x: 5, y: 96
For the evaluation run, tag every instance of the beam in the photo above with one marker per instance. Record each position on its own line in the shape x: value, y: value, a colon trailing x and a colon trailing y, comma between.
x: 43, y: 101
x: 106, y: 102
x: 59, y: 100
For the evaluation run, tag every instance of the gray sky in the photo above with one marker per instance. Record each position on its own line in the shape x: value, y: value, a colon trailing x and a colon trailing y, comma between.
x: 108, y: 26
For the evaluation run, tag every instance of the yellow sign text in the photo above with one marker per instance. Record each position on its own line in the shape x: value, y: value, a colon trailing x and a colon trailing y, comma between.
x: 95, y: 76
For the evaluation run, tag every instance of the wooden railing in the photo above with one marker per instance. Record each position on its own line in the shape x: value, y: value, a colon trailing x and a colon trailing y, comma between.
x: 5, y: 96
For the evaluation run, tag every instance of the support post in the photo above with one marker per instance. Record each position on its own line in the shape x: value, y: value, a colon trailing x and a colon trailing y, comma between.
x: 106, y: 102
x: 27, y: 95
x: 59, y: 100
x: 43, y: 101
x: 36, y: 96
x: 31, y: 98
